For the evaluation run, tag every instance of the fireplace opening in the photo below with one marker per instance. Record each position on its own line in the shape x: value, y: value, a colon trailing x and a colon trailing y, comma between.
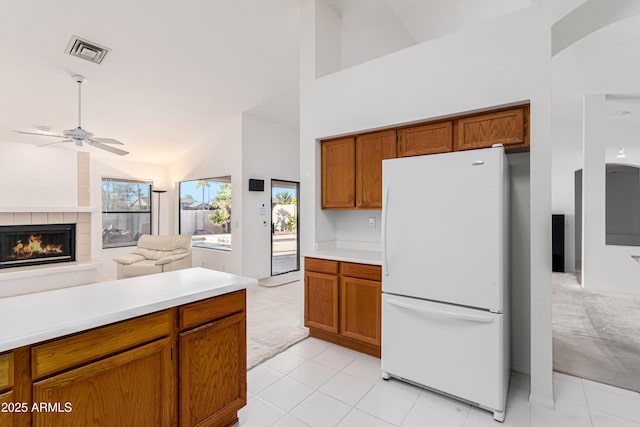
x: 22, y: 245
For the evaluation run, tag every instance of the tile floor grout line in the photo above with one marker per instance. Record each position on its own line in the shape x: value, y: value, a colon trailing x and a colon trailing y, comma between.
x: 586, y: 399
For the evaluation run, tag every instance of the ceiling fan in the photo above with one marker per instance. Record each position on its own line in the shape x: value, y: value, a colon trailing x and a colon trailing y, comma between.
x: 80, y: 136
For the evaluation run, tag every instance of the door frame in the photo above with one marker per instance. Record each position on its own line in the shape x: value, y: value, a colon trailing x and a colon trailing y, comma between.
x: 297, y: 184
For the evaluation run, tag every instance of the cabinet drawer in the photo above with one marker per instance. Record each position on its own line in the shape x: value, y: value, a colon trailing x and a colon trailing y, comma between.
x: 362, y: 271
x: 64, y: 353
x: 6, y: 371
x: 321, y: 265
x: 205, y: 311
x: 432, y: 138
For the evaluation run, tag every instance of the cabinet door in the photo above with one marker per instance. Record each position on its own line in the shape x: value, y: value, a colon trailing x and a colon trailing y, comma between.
x: 360, y: 313
x: 133, y: 388
x: 6, y: 418
x: 213, y: 372
x: 321, y: 301
x: 371, y: 150
x: 482, y: 131
x: 338, y: 173
x: 426, y: 139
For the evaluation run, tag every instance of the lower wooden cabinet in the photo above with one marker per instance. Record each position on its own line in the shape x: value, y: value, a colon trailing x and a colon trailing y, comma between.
x: 214, y: 353
x: 344, y: 307
x: 360, y: 311
x: 184, y: 366
x: 131, y: 388
x: 6, y: 417
x: 321, y: 301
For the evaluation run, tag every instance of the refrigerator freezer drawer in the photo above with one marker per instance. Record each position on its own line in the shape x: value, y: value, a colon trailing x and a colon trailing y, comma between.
x: 452, y: 349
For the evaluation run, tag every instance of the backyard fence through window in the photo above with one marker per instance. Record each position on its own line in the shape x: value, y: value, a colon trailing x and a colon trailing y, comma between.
x: 205, y: 212
x: 126, y: 211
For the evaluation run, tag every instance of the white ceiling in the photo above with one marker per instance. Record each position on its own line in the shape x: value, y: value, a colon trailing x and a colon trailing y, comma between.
x: 604, y: 62
x: 176, y: 69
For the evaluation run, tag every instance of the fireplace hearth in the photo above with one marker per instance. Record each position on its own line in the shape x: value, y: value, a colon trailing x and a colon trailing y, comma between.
x: 23, y: 245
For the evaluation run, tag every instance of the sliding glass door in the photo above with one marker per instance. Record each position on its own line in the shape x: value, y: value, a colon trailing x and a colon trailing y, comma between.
x: 285, y: 245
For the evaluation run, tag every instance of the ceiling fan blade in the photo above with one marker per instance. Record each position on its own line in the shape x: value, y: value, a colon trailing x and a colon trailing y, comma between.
x: 106, y: 147
x: 108, y: 141
x: 39, y: 134
x: 56, y: 142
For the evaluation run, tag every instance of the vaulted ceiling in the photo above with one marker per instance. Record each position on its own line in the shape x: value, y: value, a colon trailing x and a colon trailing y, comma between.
x: 178, y: 69
x: 175, y: 70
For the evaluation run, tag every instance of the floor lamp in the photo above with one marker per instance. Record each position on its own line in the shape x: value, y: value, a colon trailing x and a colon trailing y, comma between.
x: 159, y: 192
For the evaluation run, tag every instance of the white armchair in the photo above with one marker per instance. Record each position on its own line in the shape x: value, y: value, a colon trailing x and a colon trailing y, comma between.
x: 156, y: 254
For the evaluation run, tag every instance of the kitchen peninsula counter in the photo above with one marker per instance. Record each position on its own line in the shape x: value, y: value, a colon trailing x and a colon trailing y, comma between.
x: 157, y: 350
x: 31, y: 318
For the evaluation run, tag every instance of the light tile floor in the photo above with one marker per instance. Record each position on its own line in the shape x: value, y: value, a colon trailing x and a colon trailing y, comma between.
x: 315, y: 383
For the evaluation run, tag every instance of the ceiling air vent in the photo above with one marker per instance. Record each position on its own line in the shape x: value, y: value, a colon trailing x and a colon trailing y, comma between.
x: 86, y: 50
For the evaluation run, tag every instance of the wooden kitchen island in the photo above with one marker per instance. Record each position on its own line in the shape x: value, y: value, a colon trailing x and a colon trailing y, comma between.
x: 166, y: 349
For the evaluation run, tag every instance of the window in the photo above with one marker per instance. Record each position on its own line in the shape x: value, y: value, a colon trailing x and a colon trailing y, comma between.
x: 205, y: 212
x: 126, y: 211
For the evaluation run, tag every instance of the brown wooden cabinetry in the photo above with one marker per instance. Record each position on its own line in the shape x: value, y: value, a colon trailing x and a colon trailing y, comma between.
x: 339, y: 173
x: 352, y: 166
x: 130, y: 388
x: 352, y: 170
x: 182, y: 366
x: 507, y: 127
x: 6, y: 392
x: 342, y: 303
x: 371, y: 150
x: 321, y: 303
x: 430, y: 138
x: 213, y: 353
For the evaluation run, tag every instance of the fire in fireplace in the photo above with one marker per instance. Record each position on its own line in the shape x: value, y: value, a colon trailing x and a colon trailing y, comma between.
x: 22, y: 245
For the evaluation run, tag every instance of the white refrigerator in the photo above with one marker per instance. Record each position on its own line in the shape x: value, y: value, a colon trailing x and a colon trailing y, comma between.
x: 445, y: 274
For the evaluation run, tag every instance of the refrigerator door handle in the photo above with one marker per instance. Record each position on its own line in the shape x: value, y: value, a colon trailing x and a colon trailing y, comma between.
x: 385, y: 206
x: 440, y: 313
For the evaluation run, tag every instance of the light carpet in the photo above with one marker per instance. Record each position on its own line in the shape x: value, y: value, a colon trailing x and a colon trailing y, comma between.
x: 273, y: 321
x: 596, y: 335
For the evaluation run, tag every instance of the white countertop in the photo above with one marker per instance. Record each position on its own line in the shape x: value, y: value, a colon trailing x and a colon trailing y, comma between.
x: 348, y: 255
x: 28, y: 319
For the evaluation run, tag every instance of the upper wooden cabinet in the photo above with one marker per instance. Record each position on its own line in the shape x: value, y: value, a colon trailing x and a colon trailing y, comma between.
x: 508, y: 127
x: 352, y: 166
x: 371, y: 150
x: 352, y: 170
x: 431, y: 138
x: 339, y: 173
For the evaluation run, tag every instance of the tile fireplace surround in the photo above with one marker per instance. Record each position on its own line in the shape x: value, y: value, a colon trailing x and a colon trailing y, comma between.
x: 21, y: 280
x: 37, y: 278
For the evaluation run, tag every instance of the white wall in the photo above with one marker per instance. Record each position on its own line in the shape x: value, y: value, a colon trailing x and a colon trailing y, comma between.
x: 618, y: 271
x: 220, y: 154
x: 520, y: 265
x: 32, y: 176
x: 269, y: 151
x: 566, y: 159
x: 501, y: 62
x: 370, y: 30
x: 604, y: 267
x: 117, y: 167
